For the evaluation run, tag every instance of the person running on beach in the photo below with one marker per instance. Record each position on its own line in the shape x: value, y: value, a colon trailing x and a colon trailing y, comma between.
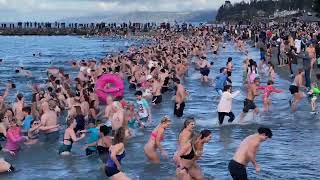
x: 249, y: 101
x: 267, y: 90
x: 295, y: 90
x: 224, y: 106
x: 246, y: 153
x: 154, y: 143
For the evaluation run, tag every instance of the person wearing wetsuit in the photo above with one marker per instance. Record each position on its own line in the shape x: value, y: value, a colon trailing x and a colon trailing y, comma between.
x: 150, y: 149
x: 69, y: 137
x: 116, y: 154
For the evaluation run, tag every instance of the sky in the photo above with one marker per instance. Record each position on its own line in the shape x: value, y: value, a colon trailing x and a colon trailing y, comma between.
x: 51, y: 10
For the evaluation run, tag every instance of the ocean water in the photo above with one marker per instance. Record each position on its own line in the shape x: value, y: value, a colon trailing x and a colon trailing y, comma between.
x: 292, y: 153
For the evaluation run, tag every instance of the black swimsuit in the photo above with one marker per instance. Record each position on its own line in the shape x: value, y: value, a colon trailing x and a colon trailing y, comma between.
x: 189, y: 156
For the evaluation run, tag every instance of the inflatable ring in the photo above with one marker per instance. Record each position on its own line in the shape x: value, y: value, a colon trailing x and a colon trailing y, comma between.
x: 116, y: 90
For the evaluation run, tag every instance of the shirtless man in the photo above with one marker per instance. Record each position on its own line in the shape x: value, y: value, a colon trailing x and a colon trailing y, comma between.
x: 17, y: 108
x: 295, y: 89
x: 248, y: 102
x: 108, y: 113
x: 49, y: 118
x: 181, y: 95
x: 156, y: 91
x: 247, y: 153
x: 118, y: 116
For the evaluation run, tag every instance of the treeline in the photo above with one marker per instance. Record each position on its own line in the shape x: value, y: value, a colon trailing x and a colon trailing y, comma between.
x: 258, y: 8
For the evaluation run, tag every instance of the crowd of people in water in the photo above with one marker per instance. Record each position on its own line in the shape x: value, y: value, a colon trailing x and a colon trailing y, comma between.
x: 151, y: 72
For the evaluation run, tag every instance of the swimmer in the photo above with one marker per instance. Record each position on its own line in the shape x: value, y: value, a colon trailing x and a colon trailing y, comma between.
x: 116, y: 154
x: 187, y: 131
x: 26, y: 123
x: 247, y: 153
x: 154, y: 143
x: 267, y: 92
x: 69, y: 137
x: 23, y: 72
x: 33, y: 132
x: 144, y: 111
x: 224, y: 106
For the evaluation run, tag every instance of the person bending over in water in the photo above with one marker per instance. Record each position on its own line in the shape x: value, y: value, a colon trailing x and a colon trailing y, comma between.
x: 249, y: 101
x: 224, y: 106
x: 150, y: 149
x: 267, y: 92
x: 69, y: 137
x: 116, y: 154
x: 4, y: 165
x: 247, y: 153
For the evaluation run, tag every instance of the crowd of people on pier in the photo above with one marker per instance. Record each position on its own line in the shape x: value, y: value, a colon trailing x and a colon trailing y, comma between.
x: 151, y: 72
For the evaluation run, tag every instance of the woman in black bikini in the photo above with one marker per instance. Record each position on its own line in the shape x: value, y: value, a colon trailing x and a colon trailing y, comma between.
x: 69, y: 137
x: 184, y: 159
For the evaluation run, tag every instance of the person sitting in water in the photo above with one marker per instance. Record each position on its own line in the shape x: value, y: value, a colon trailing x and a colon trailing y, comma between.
x: 150, y: 149
x: 116, y: 154
x: 69, y: 137
x: 23, y: 72
x: 4, y: 165
x: 247, y: 153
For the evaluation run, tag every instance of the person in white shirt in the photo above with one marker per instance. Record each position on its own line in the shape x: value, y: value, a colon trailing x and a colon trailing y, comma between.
x: 224, y: 106
x: 297, y: 44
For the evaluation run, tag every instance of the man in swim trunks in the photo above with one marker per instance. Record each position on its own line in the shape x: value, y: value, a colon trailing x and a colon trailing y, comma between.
x: 156, y: 91
x: 49, y: 119
x: 249, y: 101
x: 181, y: 95
x: 247, y: 153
